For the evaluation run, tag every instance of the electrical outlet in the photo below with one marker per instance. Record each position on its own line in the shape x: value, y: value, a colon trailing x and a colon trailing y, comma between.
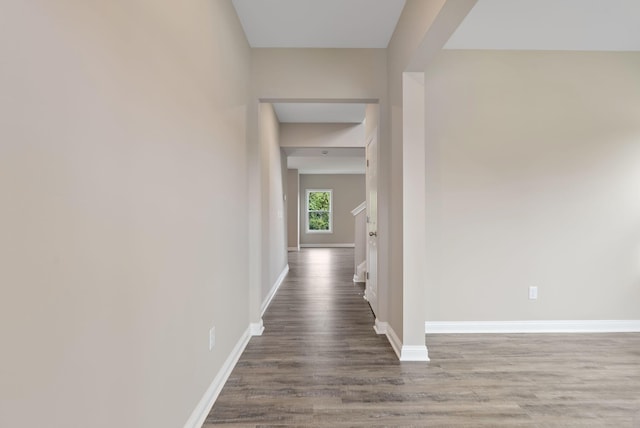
x: 212, y: 338
x: 533, y: 293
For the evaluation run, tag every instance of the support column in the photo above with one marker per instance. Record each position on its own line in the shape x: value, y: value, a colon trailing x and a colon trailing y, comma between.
x: 413, y: 218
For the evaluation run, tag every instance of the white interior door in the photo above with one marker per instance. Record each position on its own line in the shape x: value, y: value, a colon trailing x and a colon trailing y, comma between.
x: 371, y: 290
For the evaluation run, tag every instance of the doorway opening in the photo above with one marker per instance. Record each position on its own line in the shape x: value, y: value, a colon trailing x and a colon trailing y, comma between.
x: 317, y: 163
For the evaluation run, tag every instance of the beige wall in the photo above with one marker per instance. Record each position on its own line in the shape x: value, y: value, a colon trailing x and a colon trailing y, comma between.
x: 322, y: 135
x: 274, y: 233
x: 348, y: 193
x: 123, y: 236
x: 293, y: 209
x: 533, y: 167
x: 413, y: 204
x: 318, y: 73
x: 371, y: 122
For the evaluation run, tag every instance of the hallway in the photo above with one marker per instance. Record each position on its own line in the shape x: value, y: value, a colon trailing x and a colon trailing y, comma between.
x: 319, y: 363
x: 318, y: 343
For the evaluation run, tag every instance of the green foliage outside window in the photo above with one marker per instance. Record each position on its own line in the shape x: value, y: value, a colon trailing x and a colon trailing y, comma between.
x: 319, y: 210
x: 318, y: 221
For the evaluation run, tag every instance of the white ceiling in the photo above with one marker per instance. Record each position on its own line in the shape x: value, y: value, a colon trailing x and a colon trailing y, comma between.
x: 591, y: 25
x: 335, y: 161
x: 583, y: 25
x: 319, y: 23
x: 320, y: 112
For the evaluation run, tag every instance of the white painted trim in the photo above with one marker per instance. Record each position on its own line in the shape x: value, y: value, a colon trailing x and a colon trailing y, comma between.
x: 293, y: 248
x: 562, y: 326
x: 327, y: 245
x: 274, y: 290
x: 357, y: 210
x: 380, y: 327
x: 414, y: 353
x: 203, y: 408
x: 256, y: 328
x: 367, y: 292
x: 406, y: 352
x: 393, y: 338
x: 357, y: 278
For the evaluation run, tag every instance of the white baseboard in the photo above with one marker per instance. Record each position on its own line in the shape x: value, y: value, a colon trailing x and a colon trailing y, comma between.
x: 393, y: 338
x: 203, y: 408
x: 367, y: 292
x: 327, y: 245
x: 256, y: 328
x: 293, y: 249
x: 274, y: 290
x: 380, y: 327
x: 571, y: 326
x: 414, y: 353
x: 406, y: 352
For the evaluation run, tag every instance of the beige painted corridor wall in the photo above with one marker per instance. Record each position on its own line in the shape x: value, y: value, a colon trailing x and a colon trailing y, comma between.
x: 293, y: 209
x: 274, y: 217
x: 533, y: 167
x: 123, y: 222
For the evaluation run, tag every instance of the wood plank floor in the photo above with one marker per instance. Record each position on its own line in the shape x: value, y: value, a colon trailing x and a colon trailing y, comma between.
x: 319, y: 363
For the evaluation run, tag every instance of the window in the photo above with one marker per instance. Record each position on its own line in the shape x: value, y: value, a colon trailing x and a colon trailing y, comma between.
x: 319, y: 205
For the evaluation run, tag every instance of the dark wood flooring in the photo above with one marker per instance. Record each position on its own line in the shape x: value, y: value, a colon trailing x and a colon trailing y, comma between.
x: 319, y: 363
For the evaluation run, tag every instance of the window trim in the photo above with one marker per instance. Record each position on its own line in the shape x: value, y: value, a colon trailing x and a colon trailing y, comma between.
x: 306, y: 210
